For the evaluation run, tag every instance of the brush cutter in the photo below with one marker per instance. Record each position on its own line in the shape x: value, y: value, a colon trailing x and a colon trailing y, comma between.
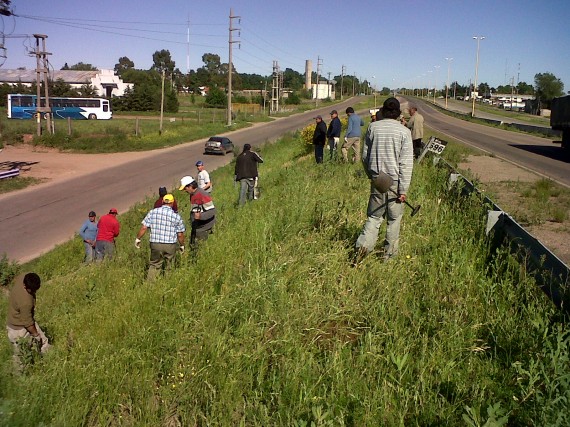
x: 383, y: 182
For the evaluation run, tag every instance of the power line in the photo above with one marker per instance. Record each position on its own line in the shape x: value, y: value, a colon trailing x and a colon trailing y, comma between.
x: 108, y: 21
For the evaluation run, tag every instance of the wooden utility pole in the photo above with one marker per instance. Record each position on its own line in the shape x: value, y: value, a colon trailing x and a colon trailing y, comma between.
x: 342, y: 70
x: 162, y: 101
x: 230, y: 64
x: 42, y: 67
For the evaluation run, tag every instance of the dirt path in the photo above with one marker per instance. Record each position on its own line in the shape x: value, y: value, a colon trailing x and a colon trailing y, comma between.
x: 52, y: 166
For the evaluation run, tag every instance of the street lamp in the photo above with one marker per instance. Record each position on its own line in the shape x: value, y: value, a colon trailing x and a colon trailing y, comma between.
x: 429, y: 84
x: 435, y: 83
x: 447, y: 86
x: 374, y: 78
x: 478, y: 38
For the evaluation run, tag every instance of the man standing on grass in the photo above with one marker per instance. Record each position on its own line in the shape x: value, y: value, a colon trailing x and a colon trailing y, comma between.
x: 416, y: 125
x: 333, y: 133
x: 387, y: 150
x: 88, y: 233
x: 319, y: 138
x: 203, y: 177
x: 166, y: 236
x: 203, y: 211
x: 21, y: 324
x: 352, y: 136
x: 246, y: 173
x: 107, y: 230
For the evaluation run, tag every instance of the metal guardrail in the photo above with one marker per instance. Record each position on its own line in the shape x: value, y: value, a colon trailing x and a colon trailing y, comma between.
x: 550, y: 273
x: 9, y: 173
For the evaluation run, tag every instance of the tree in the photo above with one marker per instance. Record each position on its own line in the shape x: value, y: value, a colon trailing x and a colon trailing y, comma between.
x: 216, y: 98
x: 88, y: 91
x: 123, y: 65
x: 162, y: 61
x: 80, y: 66
x: 547, y: 86
x: 524, y: 88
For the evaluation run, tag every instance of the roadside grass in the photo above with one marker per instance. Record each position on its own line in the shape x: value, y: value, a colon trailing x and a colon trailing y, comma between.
x: 268, y: 323
x: 17, y: 183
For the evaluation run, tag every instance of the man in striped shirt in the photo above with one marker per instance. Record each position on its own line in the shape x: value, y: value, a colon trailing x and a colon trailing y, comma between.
x: 166, y: 235
x: 387, y: 149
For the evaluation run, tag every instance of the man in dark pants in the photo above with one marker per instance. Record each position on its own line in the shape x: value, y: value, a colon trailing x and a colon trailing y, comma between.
x: 246, y: 173
x: 333, y: 133
x: 203, y: 211
x: 319, y: 138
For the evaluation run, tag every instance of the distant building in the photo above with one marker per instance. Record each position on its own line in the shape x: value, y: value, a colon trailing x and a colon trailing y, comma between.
x: 105, y: 81
x: 323, y: 90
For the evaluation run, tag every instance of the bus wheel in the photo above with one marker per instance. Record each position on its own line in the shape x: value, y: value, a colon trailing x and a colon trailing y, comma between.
x: 92, y: 116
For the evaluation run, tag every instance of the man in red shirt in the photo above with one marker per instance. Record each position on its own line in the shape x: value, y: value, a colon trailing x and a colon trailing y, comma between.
x: 107, y: 229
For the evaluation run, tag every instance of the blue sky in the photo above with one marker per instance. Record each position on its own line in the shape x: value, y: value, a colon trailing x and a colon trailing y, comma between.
x: 388, y: 43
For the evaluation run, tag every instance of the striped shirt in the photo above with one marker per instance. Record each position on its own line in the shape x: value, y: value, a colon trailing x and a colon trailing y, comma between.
x: 164, y: 224
x: 388, y: 148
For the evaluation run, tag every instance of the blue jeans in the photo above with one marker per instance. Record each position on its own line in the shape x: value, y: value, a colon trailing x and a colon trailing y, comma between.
x: 246, y: 190
x: 378, y: 205
x: 319, y: 153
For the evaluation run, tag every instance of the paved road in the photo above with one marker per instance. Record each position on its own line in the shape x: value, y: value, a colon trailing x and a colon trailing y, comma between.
x: 534, y: 153
x: 35, y: 220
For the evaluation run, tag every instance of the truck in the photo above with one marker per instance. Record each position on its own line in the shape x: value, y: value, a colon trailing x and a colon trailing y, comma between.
x: 560, y: 119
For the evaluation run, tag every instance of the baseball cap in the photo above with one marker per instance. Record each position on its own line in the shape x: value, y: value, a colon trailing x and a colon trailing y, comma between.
x: 199, y: 163
x: 185, y: 181
x: 169, y: 198
x: 92, y: 213
x: 334, y: 112
x: 113, y: 211
x: 318, y: 117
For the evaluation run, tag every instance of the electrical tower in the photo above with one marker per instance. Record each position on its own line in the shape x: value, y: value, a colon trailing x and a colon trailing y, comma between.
x: 319, y: 65
x: 275, y: 88
x: 42, y: 106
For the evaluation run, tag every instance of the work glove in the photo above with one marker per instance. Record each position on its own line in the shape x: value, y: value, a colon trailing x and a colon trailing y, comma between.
x: 137, y: 243
x: 37, y: 340
x: 181, y: 249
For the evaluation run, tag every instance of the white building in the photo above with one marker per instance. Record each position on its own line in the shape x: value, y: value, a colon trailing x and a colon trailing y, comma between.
x: 323, y: 90
x: 105, y: 81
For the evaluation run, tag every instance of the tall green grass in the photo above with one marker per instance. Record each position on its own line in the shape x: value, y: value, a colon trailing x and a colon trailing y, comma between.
x: 268, y: 323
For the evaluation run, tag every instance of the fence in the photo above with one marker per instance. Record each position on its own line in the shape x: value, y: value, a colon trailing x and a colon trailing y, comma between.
x: 10, y: 173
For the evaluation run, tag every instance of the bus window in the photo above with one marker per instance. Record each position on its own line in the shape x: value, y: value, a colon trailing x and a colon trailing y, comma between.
x: 105, y: 106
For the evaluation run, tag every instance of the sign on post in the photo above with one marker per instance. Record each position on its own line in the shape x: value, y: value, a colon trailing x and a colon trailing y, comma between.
x: 435, y: 145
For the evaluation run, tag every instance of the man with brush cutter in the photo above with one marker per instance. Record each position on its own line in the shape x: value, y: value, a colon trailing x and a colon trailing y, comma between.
x: 388, y: 160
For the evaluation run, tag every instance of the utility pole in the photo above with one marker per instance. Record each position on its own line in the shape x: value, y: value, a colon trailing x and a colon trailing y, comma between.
x: 188, y: 47
x: 230, y: 64
x: 162, y: 101
x: 42, y: 67
x: 319, y: 64
x: 342, y: 71
x: 329, y: 86
x: 275, y: 89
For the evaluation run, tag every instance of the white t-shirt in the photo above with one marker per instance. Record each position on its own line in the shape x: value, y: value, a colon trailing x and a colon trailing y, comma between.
x: 204, y: 179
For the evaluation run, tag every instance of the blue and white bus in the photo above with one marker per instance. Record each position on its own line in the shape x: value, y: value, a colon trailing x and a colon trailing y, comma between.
x: 24, y: 107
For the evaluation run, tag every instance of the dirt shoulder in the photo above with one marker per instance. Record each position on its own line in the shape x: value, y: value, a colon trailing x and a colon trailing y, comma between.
x: 510, y: 187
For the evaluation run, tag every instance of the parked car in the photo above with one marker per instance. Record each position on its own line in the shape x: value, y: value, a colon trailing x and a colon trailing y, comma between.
x: 218, y: 145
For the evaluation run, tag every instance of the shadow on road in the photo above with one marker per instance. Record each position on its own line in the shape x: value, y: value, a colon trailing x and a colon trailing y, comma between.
x: 554, y: 152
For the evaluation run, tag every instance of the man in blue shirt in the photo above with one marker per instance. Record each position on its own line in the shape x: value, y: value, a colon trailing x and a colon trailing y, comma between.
x: 352, y: 136
x: 88, y: 233
x: 166, y: 235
